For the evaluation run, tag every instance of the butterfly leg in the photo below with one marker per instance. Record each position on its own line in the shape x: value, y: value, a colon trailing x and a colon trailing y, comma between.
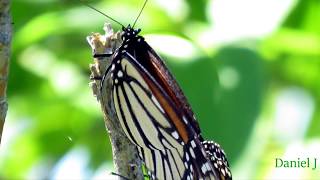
x: 101, y: 56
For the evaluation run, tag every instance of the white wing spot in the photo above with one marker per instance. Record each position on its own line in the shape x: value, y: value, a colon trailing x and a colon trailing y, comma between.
x: 228, y: 172
x: 203, y: 169
x: 223, y: 172
x: 112, y: 67
x: 186, y: 164
x: 118, y: 61
x: 175, y: 134
x: 193, y: 144
x: 192, y: 152
x: 156, y: 102
x: 208, y: 166
x: 185, y: 119
x: 213, y: 158
x: 116, y: 81
x: 203, y: 152
x: 187, y: 156
x: 215, y: 165
x: 120, y: 74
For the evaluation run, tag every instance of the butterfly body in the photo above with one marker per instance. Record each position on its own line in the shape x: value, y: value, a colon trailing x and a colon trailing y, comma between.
x: 153, y: 112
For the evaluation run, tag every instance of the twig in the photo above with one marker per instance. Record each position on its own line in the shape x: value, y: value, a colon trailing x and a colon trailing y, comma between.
x: 5, y: 40
x: 126, y: 160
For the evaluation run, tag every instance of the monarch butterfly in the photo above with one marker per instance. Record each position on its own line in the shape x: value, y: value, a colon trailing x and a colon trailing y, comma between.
x: 155, y: 115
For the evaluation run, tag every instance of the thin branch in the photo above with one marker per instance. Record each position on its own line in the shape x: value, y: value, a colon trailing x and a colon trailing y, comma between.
x: 126, y: 160
x: 5, y: 41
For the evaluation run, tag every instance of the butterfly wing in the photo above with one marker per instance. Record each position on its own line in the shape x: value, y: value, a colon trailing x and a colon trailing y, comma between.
x: 218, y: 159
x: 155, y: 115
x: 172, y: 88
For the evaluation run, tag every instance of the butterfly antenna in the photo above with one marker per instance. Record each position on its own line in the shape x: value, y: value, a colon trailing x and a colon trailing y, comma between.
x: 97, y: 10
x: 145, y: 2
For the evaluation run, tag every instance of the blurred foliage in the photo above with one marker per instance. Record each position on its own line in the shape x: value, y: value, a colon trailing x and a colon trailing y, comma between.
x: 233, y: 86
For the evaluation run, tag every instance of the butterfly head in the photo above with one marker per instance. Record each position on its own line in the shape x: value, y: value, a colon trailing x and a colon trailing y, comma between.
x: 129, y: 33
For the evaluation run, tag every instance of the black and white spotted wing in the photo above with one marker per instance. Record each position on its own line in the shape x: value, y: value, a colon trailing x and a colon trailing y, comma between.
x: 154, y: 113
x: 218, y: 159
